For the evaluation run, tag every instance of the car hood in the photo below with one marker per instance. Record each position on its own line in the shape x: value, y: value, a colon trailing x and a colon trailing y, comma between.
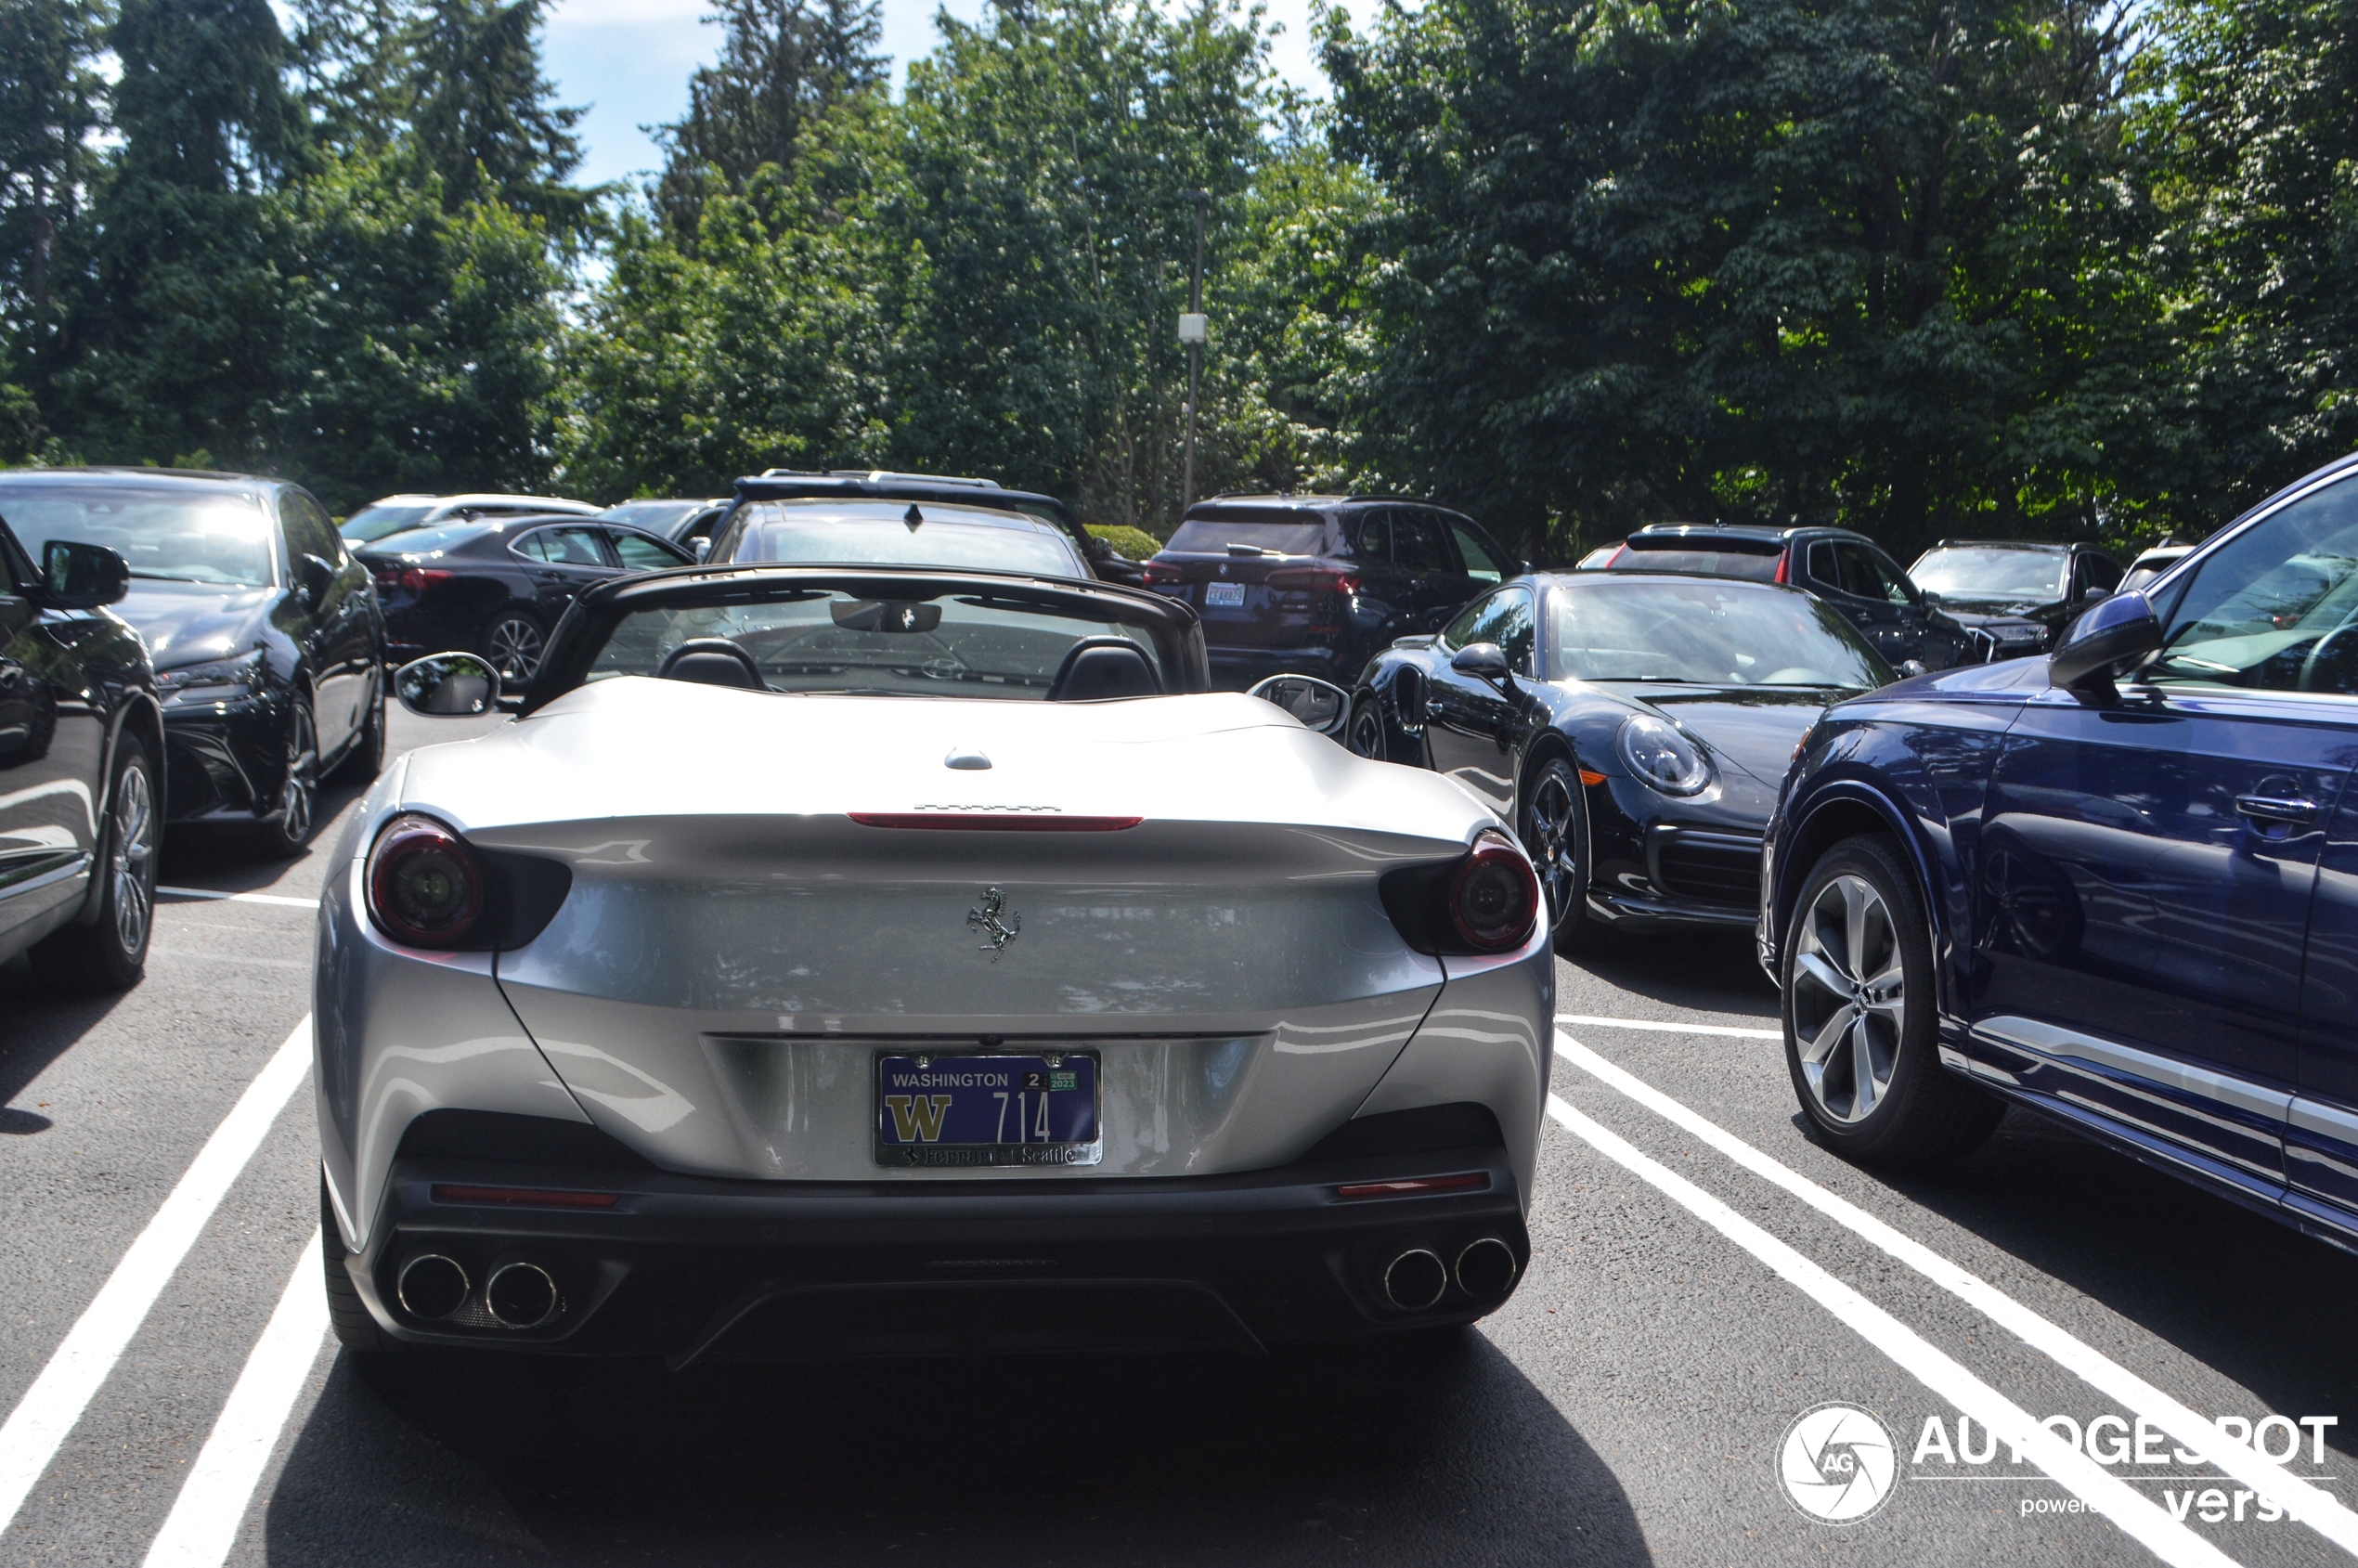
x: 185, y: 623
x: 1980, y: 612
x: 639, y: 748
x: 1755, y: 728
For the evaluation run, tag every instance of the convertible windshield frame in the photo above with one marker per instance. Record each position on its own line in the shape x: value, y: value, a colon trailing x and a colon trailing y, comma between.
x: 1171, y: 627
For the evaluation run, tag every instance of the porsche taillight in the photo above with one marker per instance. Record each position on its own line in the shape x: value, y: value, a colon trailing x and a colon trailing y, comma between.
x: 426, y: 886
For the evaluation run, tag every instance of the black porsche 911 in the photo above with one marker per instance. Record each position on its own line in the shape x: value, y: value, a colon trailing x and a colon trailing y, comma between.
x: 1633, y: 728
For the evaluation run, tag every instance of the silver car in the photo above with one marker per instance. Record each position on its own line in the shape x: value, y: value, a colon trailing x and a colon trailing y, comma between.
x: 875, y: 961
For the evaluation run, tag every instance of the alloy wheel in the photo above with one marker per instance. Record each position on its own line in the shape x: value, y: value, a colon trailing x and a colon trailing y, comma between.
x: 1547, y: 839
x: 132, y: 864
x: 300, y: 793
x: 1365, y: 738
x: 514, y: 647
x: 1849, y: 998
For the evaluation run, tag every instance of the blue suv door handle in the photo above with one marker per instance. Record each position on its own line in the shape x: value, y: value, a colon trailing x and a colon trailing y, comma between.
x: 2276, y: 808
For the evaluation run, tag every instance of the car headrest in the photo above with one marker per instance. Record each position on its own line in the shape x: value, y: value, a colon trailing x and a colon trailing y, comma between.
x: 1101, y: 668
x: 712, y: 661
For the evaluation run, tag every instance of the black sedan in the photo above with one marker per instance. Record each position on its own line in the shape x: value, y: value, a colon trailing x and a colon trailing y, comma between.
x: 2013, y: 596
x: 268, y: 648
x: 1633, y: 728
x: 498, y: 585
x: 80, y: 786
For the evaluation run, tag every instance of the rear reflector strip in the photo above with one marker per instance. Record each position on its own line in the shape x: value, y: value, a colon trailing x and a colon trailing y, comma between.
x: 1415, y: 1186
x: 996, y: 822
x: 543, y: 1196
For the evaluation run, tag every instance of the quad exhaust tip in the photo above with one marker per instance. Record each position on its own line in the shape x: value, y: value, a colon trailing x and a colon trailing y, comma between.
x: 431, y: 1287
x: 1486, y: 1268
x: 521, y: 1295
x: 1415, y: 1279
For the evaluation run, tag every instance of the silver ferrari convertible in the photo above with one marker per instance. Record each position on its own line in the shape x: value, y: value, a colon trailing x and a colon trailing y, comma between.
x: 870, y: 961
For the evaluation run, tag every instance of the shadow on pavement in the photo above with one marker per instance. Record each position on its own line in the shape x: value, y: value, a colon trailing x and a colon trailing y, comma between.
x: 1708, y: 971
x: 1441, y: 1453
x: 2230, y: 1287
x: 42, y: 1024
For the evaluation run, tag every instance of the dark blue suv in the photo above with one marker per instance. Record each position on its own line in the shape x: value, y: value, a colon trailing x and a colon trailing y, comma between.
x: 2118, y: 885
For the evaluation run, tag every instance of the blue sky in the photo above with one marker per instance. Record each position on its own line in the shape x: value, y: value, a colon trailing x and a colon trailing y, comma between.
x: 628, y: 61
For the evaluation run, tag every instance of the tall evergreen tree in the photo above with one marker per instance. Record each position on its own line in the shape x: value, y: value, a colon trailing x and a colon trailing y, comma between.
x: 50, y: 103
x: 781, y: 63
x: 482, y: 116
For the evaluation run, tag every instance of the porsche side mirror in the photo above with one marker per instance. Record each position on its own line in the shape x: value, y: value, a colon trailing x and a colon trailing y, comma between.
x: 82, y: 576
x: 2091, y: 593
x: 2112, y: 637
x: 700, y: 549
x: 317, y: 577
x: 1483, y: 661
x: 1319, y: 705
x: 447, y: 686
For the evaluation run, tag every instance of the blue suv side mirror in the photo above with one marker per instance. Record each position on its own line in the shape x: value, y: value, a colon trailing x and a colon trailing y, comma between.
x: 2114, y: 634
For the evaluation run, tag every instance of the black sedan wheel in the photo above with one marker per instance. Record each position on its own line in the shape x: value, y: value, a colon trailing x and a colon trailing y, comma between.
x: 513, y: 643
x: 288, y: 829
x: 1860, y: 1016
x: 367, y: 759
x: 1554, y: 830
x: 110, y: 953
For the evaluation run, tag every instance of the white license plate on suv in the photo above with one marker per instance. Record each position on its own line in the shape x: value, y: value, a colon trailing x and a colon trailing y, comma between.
x: 1225, y: 595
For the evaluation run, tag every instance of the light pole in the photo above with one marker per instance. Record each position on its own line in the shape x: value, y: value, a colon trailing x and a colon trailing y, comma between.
x: 1193, y: 329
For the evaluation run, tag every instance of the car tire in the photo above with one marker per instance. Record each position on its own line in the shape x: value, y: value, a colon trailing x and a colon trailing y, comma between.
x: 1859, y: 1010
x: 110, y: 953
x: 1365, y: 736
x: 367, y: 759
x: 513, y: 640
x: 286, y: 832
x: 1552, y: 820
x: 355, y: 1330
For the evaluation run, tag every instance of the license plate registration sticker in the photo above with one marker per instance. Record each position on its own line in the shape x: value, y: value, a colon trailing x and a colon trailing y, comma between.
x: 1225, y: 595
x: 949, y: 1110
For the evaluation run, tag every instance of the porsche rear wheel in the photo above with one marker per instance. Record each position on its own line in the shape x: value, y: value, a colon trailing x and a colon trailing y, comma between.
x: 1860, y: 1017
x: 1554, y: 831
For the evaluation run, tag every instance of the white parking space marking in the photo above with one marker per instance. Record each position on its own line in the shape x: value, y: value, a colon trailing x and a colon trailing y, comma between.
x: 1660, y: 1027
x: 202, y: 1526
x: 278, y: 898
x: 55, y: 1402
x: 2103, y: 1493
x: 2317, y: 1509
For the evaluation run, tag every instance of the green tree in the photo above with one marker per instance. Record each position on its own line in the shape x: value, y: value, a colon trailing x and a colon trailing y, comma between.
x: 50, y: 105
x: 481, y: 114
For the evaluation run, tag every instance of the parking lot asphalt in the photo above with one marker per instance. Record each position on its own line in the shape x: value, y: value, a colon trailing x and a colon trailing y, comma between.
x: 1703, y: 1274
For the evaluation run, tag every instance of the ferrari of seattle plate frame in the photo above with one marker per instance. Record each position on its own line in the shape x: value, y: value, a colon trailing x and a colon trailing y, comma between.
x: 935, y: 1110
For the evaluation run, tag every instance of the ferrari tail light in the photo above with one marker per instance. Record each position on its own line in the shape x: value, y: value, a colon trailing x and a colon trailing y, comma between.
x: 426, y: 885
x: 1494, y: 896
x: 1485, y: 901
x: 1317, y: 579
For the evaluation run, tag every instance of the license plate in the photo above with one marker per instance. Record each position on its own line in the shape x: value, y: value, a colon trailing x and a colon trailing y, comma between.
x: 987, y: 1110
x: 1228, y: 595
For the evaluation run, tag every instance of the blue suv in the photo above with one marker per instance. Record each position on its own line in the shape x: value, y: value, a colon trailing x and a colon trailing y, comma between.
x: 2118, y: 885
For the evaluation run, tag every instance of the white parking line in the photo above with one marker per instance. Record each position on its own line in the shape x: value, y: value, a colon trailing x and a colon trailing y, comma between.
x: 1661, y: 1026
x: 2317, y: 1509
x: 2103, y: 1492
x: 278, y: 898
x: 202, y: 1526
x: 50, y: 1407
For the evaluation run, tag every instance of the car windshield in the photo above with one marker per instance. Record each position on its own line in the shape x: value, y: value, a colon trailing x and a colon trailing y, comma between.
x: 385, y: 517
x: 166, y: 534
x: 788, y: 535
x: 425, y: 541
x: 1212, y: 535
x: 1704, y: 633
x: 1975, y: 572
x: 1755, y: 565
x: 659, y: 517
x: 2275, y: 607
x: 931, y: 644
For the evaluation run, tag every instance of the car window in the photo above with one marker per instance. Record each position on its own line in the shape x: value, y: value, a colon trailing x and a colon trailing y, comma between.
x: 1889, y: 575
x: 2093, y: 571
x: 1711, y: 633
x: 308, y: 530
x: 639, y: 552
x: 1981, y: 572
x: 868, y: 535
x: 1824, y: 570
x: 1375, y: 535
x: 373, y: 523
x: 1513, y: 630
x: 1727, y: 558
x: 2277, y: 608
x: 1419, y: 544
x: 1480, y: 564
x: 563, y: 547
x: 1866, y: 577
x: 1288, y: 532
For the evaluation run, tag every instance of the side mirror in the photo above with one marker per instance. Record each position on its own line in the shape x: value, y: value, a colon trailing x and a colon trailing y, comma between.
x: 2118, y: 633
x: 82, y: 576
x: 1911, y: 668
x: 447, y: 685
x: 1320, y: 705
x: 1483, y: 661
x: 700, y: 548
x: 317, y: 577
x: 2091, y: 593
